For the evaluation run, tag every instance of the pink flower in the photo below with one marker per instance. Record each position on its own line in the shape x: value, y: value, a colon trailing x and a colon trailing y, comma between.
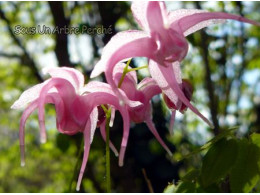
x: 143, y: 92
x: 163, y: 42
x: 76, y: 108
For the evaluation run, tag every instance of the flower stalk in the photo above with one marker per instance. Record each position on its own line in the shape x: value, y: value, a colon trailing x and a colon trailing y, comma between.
x: 108, y: 174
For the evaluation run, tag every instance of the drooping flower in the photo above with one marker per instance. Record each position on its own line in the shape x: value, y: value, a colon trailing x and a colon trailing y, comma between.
x: 143, y: 93
x: 163, y: 42
x: 76, y: 108
x: 187, y: 89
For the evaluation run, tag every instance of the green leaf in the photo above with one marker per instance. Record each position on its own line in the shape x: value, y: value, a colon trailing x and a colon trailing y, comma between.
x: 186, y: 187
x: 255, y: 137
x: 224, y: 134
x: 245, y: 172
x: 170, y: 189
x: 218, y: 161
x: 191, y: 176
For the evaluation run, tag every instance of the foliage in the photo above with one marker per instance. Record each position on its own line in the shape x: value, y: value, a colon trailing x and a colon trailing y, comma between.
x: 204, y: 161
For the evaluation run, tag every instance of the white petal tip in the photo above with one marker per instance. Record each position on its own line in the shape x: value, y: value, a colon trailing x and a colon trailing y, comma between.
x: 43, y: 140
x: 121, y: 164
x: 170, y: 153
x: 111, y: 124
x: 77, y: 188
x: 116, y: 154
x: 22, y: 164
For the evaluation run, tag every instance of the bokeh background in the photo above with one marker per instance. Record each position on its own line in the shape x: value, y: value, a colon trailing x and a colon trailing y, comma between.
x: 222, y: 64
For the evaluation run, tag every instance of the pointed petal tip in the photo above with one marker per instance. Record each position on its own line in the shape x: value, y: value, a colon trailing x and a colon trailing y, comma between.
x: 22, y: 163
x: 211, y: 126
x: 121, y: 164
x: 116, y: 153
x: 170, y: 153
x: 43, y: 140
x: 77, y: 188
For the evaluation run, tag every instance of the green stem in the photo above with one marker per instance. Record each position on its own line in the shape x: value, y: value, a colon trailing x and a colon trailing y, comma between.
x: 124, y: 73
x: 126, y: 70
x: 138, y: 68
x: 108, y: 176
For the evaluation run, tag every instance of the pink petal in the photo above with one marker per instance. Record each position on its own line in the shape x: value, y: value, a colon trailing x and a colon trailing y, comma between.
x: 75, y: 77
x: 93, y: 118
x: 99, y: 97
x: 28, y: 96
x: 152, y: 128
x: 124, y: 45
x: 158, y: 76
x: 112, y: 117
x: 174, y: 86
x: 66, y: 92
x: 139, y: 9
x: 119, y: 69
x: 87, y: 141
x: 149, y: 87
x: 51, y: 98
x: 176, y: 15
x: 186, y: 24
x: 27, y: 112
x: 156, y: 15
x: 103, y: 134
x: 96, y: 86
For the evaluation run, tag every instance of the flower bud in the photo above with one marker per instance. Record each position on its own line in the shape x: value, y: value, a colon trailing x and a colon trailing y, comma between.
x: 187, y: 89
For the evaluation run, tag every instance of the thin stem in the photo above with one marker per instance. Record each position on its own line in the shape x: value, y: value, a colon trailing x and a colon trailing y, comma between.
x: 76, y: 168
x: 124, y: 73
x: 108, y: 176
x: 138, y: 68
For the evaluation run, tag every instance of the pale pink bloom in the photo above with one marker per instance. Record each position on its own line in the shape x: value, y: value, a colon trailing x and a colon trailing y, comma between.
x: 76, y: 108
x: 163, y: 42
x: 143, y: 93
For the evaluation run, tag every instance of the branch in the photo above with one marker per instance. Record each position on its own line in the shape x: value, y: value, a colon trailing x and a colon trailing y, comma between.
x: 60, y: 21
x: 213, y: 104
x: 30, y: 62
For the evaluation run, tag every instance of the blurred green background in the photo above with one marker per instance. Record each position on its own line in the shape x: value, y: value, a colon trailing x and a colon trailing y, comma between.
x: 223, y: 65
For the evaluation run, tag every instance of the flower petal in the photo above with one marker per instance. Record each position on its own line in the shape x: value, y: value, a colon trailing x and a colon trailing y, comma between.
x: 93, y: 118
x: 118, y: 71
x: 149, y: 87
x: 139, y: 9
x: 174, y: 86
x: 103, y: 96
x: 124, y: 45
x: 87, y: 141
x: 96, y: 86
x: 159, y: 77
x: 152, y: 128
x: 176, y: 15
x: 66, y: 92
x: 190, y: 23
x: 51, y: 98
x: 156, y: 15
x: 28, y: 96
x: 75, y: 77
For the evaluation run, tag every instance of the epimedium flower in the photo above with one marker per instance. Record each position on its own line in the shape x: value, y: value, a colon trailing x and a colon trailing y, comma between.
x: 77, y: 109
x: 162, y: 40
x: 187, y: 89
x: 141, y: 92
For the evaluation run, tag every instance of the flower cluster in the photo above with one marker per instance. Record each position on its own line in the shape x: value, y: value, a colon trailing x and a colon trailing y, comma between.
x: 80, y: 108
